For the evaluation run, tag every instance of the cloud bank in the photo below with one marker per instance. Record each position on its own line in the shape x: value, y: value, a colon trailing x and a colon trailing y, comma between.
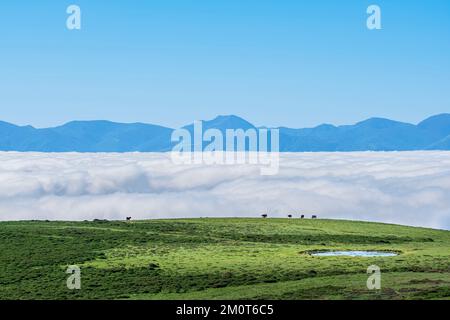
x: 411, y: 188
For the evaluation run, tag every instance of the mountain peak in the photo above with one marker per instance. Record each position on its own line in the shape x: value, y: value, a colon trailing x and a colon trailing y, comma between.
x: 379, y: 123
x: 228, y: 122
x: 439, y: 125
x: 374, y: 134
x: 439, y: 119
x: 8, y: 125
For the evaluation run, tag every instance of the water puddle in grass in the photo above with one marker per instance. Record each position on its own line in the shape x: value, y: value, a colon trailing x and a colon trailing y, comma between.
x: 354, y: 254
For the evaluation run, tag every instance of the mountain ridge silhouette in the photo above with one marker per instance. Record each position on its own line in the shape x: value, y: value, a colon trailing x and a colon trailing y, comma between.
x: 373, y: 134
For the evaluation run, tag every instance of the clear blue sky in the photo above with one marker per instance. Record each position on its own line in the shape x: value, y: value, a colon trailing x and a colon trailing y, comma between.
x: 279, y: 62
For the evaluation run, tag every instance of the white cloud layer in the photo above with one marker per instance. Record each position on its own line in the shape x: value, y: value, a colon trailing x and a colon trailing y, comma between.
x: 411, y: 188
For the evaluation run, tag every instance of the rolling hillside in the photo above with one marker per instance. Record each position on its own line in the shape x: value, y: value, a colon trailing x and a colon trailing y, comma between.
x: 220, y: 259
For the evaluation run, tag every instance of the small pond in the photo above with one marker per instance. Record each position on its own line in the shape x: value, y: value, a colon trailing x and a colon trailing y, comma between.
x: 354, y: 254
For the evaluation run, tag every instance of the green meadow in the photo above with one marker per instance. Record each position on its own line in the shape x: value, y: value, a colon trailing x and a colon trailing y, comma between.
x: 220, y: 259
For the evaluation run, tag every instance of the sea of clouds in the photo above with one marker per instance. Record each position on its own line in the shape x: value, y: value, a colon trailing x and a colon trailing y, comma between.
x: 411, y: 188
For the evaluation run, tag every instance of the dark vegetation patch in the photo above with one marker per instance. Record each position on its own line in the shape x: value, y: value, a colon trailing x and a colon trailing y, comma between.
x: 426, y: 281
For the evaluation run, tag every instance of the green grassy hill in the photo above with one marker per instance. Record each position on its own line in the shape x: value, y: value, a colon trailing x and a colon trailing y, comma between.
x: 220, y: 259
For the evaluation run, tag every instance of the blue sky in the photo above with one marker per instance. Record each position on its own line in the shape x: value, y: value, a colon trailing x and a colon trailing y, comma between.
x: 279, y: 62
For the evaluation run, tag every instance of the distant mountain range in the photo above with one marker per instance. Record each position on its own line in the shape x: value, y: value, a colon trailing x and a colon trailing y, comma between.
x: 375, y: 134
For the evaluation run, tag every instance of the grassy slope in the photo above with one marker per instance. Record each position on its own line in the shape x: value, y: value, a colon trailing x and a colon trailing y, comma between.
x: 220, y: 258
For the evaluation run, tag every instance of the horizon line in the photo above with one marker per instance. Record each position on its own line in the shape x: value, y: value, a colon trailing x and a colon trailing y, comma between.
x: 224, y: 116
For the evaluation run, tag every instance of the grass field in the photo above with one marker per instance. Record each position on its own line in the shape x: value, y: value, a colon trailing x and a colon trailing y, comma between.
x: 220, y: 259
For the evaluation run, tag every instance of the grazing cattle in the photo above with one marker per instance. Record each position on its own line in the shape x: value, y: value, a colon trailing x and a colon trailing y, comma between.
x: 264, y: 216
x: 289, y: 215
x: 314, y: 217
x: 128, y: 218
x: 302, y: 216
